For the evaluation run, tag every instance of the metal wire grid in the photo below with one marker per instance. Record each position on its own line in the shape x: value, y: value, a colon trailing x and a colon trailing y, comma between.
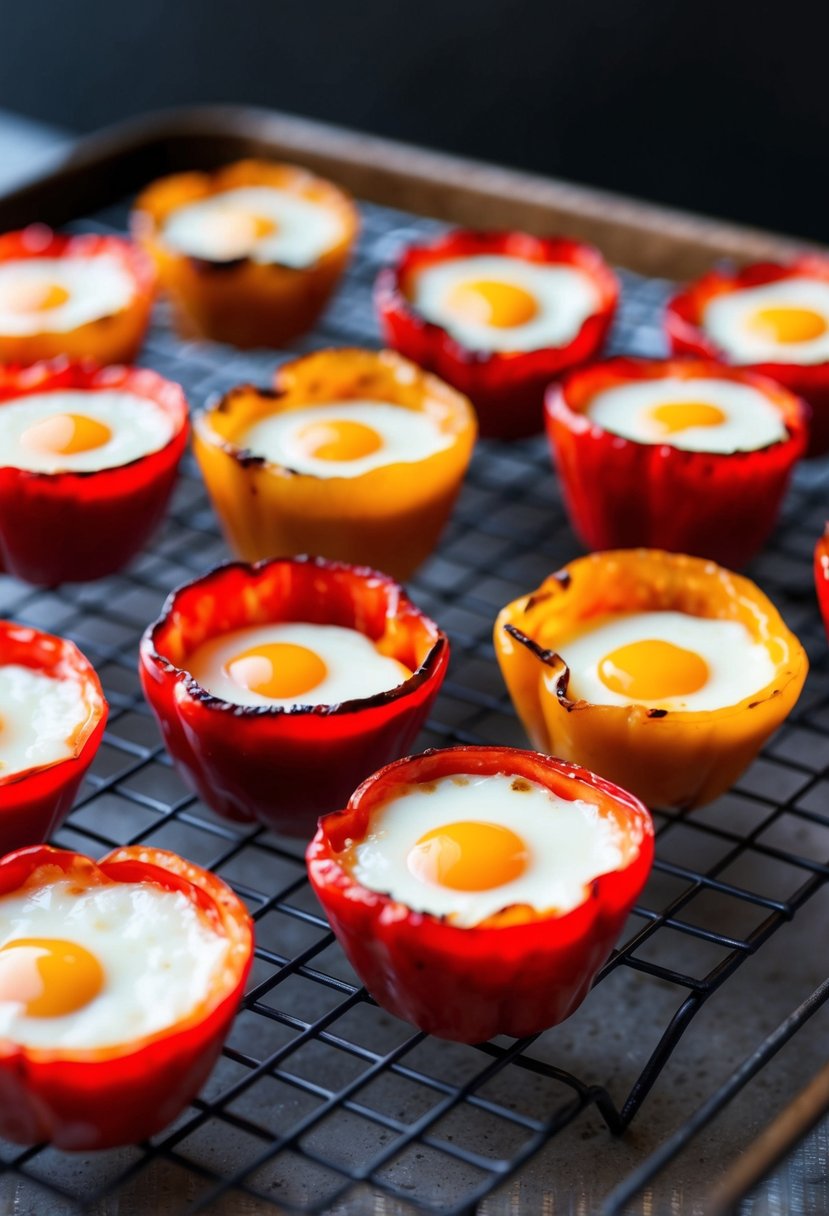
x: 322, y: 1102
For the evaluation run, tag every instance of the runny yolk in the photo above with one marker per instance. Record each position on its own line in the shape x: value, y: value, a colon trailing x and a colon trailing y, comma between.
x: 676, y: 416
x: 653, y: 670
x: 339, y: 440
x: 232, y: 231
x: 34, y: 297
x: 49, y: 977
x: 468, y: 856
x: 786, y: 325
x: 66, y: 434
x: 502, y: 305
x: 277, y: 669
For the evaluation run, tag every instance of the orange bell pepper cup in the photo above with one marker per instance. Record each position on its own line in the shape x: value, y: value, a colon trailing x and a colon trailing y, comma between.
x: 676, y: 758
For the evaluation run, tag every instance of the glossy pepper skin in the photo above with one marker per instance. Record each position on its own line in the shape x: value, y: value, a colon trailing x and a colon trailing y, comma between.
x: 35, y: 802
x: 104, y: 1097
x: 677, y: 758
x: 516, y: 973
x: 506, y: 388
x: 286, y: 767
x: 684, y: 322
x: 822, y: 576
x: 241, y: 301
x: 390, y: 517
x: 624, y: 494
x: 112, y: 339
x: 74, y: 527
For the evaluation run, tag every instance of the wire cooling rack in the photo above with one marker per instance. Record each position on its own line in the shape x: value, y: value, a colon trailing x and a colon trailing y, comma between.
x: 322, y: 1102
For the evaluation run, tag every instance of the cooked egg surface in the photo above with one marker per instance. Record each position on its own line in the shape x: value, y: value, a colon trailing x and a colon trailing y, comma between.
x: 55, y: 295
x: 665, y: 660
x: 695, y: 415
x: 94, y: 966
x: 782, y: 322
x: 258, y: 222
x: 39, y: 716
x: 494, y: 302
x: 345, y: 438
x: 80, y: 431
x: 468, y: 846
x: 294, y: 663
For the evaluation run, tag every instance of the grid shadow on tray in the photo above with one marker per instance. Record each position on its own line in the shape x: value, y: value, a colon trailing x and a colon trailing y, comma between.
x: 321, y: 1101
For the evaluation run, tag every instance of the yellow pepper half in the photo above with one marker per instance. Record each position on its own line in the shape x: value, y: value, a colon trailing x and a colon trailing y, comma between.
x: 389, y: 517
x: 676, y: 758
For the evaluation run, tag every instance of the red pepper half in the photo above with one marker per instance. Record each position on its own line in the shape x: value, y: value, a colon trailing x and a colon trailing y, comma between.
x: 506, y: 388
x: 516, y: 973
x: 286, y: 767
x: 623, y: 494
x: 115, y: 338
x: 687, y: 335
x: 822, y: 576
x: 72, y: 527
x: 34, y: 803
x: 97, y: 1098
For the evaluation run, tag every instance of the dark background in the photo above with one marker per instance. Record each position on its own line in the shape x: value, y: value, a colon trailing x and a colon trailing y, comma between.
x: 720, y: 106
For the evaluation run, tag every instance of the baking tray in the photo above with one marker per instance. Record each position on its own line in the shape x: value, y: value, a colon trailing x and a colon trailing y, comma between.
x: 322, y: 1102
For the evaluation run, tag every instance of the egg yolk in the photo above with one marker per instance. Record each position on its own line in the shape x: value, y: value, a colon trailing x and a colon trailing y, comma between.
x: 468, y: 856
x: 277, y: 669
x: 49, y: 977
x: 502, y: 305
x: 783, y: 324
x: 652, y: 670
x: 34, y: 297
x: 676, y: 416
x: 66, y: 434
x: 232, y: 231
x: 339, y: 440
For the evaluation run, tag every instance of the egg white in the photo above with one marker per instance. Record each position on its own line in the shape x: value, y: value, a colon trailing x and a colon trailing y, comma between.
x: 569, y: 844
x: 407, y: 436
x: 139, y: 426
x: 565, y: 298
x: 97, y: 286
x: 738, y: 665
x: 158, y: 954
x: 39, y: 715
x: 355, y: 668
x: 727, y: 319
x: 751, y: 421
x: 304, y: 231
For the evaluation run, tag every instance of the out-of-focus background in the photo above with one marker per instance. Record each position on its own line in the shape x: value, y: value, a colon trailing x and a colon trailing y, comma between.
x: 719, y: 106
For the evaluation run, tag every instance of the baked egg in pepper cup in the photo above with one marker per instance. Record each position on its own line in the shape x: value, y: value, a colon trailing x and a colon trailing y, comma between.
x: 88, y: 460
x: 84, y: 296
x: 477, y: 891
x: 279, y: 687
x: 498, y: 315
x: 355, y: 455
x: 119, y: 980
x: 685, y: 455
x: 52, y: 718
x: 663, y: 672
x: 771, y: 318
x: 250, y: 253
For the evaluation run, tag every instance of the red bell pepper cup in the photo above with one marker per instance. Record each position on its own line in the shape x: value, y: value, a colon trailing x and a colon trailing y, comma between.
x: 74, y: 527
x: 34, y: 803
x: 684, y: 322
x: 97, y: 1098
x: 506, y: 387
x: 286, y: 767
x: 822, y: 576
x: 470, y: 984
x: 622, y: 494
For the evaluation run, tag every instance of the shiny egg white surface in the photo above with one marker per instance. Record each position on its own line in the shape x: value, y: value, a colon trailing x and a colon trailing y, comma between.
x: 99, y: 965
x: 56, y: 295
x: 344, y: 438
x: 468, y: 846
x: 492, y: 302
x: 263, y: 223
x: 75, y: 430
x: 782, y: 322
x: 665, y: 660
x: 40, y: 716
